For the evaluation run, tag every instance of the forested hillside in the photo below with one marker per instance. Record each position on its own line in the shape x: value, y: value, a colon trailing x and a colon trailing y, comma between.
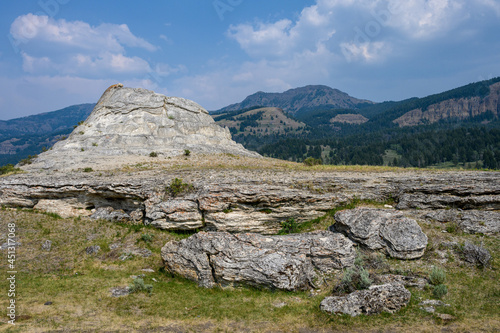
x: 456, y: 128
x: 373, y: 137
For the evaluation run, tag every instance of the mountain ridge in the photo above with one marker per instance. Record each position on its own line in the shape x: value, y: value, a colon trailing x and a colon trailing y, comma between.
x: 294, y: 100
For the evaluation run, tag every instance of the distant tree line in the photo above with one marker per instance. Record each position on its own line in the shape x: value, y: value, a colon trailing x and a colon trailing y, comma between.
x: 475, y: 147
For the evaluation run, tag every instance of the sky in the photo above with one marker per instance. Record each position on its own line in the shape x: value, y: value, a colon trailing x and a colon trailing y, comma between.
x: 57, y: 53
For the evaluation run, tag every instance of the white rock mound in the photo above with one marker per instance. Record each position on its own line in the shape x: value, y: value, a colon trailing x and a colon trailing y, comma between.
x: 136, y: 122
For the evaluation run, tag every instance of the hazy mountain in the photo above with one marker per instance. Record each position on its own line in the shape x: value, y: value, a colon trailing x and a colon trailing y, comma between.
x: 25, y: 136
x: 298, y: 100
x: 303, y: 122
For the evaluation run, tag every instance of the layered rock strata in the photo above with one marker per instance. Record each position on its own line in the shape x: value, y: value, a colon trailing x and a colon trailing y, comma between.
x: 248, y: 200
x: 383, y: 229
x: 131, y: 122
x: 289, y: 262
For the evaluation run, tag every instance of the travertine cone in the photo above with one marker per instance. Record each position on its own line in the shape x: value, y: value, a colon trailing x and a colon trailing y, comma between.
x: 135, y: 121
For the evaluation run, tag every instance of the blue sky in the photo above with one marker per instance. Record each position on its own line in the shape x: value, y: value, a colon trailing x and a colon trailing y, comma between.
x: 56, y: 53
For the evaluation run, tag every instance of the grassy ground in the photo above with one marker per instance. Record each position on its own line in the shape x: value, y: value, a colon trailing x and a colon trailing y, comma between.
x: 78, y: 285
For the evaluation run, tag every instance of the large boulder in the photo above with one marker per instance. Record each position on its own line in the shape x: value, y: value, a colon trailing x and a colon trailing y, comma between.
x: 383, y: 229
x: 288, y: 262
x: 131, y: 122
x: 389, y: 297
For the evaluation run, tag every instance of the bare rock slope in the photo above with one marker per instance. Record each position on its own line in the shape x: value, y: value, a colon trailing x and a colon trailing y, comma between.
x: 137, y: 122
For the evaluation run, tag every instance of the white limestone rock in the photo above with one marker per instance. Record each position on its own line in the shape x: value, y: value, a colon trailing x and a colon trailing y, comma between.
x: 136, y: 121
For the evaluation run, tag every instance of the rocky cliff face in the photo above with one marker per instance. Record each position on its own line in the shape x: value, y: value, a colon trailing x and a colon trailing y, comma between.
x: 239, y: 200
x: 461, y: 108
x: 349, y: 118
x: 136, y: 122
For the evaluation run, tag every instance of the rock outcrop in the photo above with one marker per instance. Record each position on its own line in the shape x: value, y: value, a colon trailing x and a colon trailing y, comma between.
x: 455, y: 108
x: 476, y: 221
x: 379, y: 229
x: 137, y: 122
x: 389, y: 297
x: 349, y: 118
x: 289, y: 262
x: 243, y: 200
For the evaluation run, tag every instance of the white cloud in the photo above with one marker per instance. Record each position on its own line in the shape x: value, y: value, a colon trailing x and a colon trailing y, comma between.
x: 86, y: 65
x: 369, y: 52
x: 76, y: 34
x: 365, y: 27
x: 60, y: 47
x: 425, y: 19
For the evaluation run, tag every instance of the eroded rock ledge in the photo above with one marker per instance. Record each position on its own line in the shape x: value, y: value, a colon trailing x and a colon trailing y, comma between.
x: 237, y: 200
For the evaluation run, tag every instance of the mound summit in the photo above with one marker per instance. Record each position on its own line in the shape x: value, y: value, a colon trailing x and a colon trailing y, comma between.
x: 131, y: 122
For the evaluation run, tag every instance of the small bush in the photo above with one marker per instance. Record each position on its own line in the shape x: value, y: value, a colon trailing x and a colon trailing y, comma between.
x: 8, y: 169
x: 147, y: 238
x: 187, y: 152
x: 177, y: 187
x: 476, y: 255
x: 53, y: 215
x: 28, y: 160
x: 289, y: 226
x: 88, y: 170
x: 437, y: 276
x: 440, y: 290
x: 138, y: 285
x: 451, y: 228
x: 153, y: 154
x: 95, y: 144
x: 310, y: 161
x: 354, y: 278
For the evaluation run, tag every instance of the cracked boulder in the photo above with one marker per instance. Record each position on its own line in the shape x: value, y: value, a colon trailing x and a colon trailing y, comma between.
x: 382, y: 229
x: 390, y: 297
x: 289, y: 262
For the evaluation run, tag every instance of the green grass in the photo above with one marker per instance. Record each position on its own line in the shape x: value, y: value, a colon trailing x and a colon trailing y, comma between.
x: 79, y: 287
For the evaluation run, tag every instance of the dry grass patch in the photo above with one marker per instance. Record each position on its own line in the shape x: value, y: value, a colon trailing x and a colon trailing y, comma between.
x: 78, y: 285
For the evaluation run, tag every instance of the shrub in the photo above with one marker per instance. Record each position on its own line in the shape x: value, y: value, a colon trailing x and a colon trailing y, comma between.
x: 95, y: 144
x: 437, y: 276
x: 440, y: 290
x: 177, y: 187
x: 28, y: 160
x: 147, y: 238
x: 138, y: 285
x: 289, y: 226
x: 88, y: 170
x: 451, y: 228
x: 153, y: 154
x: 8, y: 169
x: 476, y: 255
x: 310, y: 161
x: 187, y: 152
x: 354, y: 278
